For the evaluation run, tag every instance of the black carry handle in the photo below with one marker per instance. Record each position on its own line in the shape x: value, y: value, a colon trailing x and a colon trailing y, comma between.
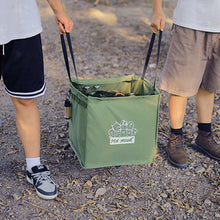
x: 65, y: 55
x: 73, y: 60
x: 149, y: 54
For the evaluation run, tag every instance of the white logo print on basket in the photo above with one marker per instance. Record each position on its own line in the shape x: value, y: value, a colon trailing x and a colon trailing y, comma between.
x: 122, y: 133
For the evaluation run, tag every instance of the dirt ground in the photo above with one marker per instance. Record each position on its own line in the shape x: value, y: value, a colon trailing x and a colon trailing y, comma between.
x: 108, y: 41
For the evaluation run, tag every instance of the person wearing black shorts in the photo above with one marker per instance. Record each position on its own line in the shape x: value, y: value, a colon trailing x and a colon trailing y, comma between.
x: 21, y: 63
x: 21, y: 68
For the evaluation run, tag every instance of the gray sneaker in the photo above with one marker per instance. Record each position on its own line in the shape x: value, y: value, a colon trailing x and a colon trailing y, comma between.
x: 44, y: 185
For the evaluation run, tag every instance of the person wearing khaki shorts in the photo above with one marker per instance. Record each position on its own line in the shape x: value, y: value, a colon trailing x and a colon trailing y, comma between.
x: 192, y: 69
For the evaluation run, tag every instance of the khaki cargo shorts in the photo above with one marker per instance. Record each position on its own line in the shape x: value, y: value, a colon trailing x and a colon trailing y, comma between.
x: 193, y: 62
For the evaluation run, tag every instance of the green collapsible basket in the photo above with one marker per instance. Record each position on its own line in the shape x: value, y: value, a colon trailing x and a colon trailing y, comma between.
x: 111, y: 131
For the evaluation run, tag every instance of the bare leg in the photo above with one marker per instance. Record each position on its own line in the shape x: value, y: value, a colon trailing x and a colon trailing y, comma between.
x: 177, y: 108
x: 175, y: 149
x: 204, y: 103
x: 28, y: 125
x: 205, y: 140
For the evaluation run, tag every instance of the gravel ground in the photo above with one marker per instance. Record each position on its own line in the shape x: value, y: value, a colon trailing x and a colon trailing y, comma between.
x: 108, y: 41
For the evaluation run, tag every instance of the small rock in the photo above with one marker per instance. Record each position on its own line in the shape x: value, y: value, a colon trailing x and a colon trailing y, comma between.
x: 155, y: 213
x: 102, y: 208
x: 115, y: 65
x: 200, y: 170
x: 167, y: 206
x: 152, y: 65
x: 131, y: 197
x: 217, y: 215
x: 89, y: 196
x: 100, y: 192
x: 164, y: 195
x: 188, y: 173
x: 61, y: 135
x: 94, y: 34
x: 16, y: 197
x: 207, y: 202
x: 89, y: 183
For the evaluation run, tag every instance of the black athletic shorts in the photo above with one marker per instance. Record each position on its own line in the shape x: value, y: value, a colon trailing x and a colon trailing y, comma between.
x: 21, y: 67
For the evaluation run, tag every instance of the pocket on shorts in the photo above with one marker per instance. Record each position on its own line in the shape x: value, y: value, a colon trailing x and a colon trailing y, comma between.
x: 185, y: 36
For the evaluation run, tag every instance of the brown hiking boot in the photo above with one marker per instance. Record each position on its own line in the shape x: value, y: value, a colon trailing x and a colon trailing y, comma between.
x: 207, y: 144
x: 176, y: 151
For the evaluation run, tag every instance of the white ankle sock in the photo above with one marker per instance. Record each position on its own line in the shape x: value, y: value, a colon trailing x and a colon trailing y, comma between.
x: 31, y: 162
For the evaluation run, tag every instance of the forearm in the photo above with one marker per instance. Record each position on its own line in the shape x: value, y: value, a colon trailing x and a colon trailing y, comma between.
x: 157, y: 6
x: 56, y: 6
x: 158, y: 20
x: 62, y: 19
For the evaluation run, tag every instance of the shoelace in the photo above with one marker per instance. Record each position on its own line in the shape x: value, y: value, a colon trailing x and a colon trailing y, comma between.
x: 42, y: 177
x: 175, y: 141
